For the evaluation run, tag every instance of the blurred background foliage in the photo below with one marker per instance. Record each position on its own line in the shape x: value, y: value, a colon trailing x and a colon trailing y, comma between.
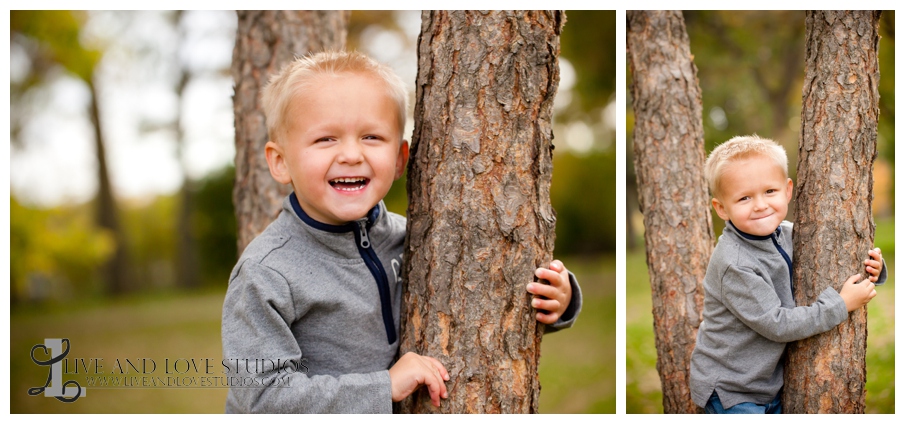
x: 750, y: 70
x: 163, y: 88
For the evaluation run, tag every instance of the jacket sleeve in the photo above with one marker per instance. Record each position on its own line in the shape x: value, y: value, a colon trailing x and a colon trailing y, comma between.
x: 571, y: 314
x: 258, y: 312
x: 754, y: 301
x: 881, y: 279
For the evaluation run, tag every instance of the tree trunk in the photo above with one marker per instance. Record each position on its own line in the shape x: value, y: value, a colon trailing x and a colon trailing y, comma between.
x: 834, y: 228
x: 187, y: 274
x: 479, y: 216
x: 668, y: 140
x: 265, y: 41
x: 116, y: 270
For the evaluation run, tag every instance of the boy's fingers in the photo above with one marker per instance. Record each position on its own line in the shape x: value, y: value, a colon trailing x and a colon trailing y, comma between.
x: 434, y: 392
x: 539, y: 289
x: 436, y: 369
x: 547, y: 318
x: 440, y: 368
x: 875, y: 254
x: 434, y: 385
x: 557, y: 265
x: 547, y: 305
x: 873, y: 273
x: 549, y: 275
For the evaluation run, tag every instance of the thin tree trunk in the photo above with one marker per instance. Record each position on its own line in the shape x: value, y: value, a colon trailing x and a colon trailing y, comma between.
x: 668, y: 140
x: 265, y: 41
x: 187, y: 274
x: 116, y: 270
x: 479, y: 219
x: 834, y: 229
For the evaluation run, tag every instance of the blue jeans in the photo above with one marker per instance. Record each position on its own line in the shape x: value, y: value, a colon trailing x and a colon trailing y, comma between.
x: 715, y: 407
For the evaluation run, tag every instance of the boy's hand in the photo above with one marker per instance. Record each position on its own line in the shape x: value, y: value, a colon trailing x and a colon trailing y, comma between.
x: 874, y: 265
x: 412, y: 371
x: 551, y: 300
x: 857, y: 294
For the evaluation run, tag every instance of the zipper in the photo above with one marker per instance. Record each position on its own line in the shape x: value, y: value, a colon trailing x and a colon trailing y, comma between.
x: 367, y: 253
x: 364, y: 242
x: 380, y: 276
x: 785, y: 256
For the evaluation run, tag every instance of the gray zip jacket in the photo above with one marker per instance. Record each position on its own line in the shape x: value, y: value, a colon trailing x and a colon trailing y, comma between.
x: 750, y: 315
x: 310, y: 318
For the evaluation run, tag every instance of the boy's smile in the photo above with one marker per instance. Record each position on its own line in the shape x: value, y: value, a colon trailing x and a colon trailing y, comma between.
x: 343, y: 148
x: 754, y: 194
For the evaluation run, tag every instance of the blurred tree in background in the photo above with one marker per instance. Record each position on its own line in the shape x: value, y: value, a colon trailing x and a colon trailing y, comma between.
x: 52, y: 43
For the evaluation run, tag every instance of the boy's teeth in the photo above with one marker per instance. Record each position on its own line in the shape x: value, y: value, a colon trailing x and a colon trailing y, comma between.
x: 348, y: 184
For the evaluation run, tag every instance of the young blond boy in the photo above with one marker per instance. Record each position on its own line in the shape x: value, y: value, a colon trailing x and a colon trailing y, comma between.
x: 749, y: 312
x: 311, y: 315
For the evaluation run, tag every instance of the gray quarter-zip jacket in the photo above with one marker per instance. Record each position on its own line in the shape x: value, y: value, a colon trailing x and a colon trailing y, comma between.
x: 311, y: 315
x: 750, y: 315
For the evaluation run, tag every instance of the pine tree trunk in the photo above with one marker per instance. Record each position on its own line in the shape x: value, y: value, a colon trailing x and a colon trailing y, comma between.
x: 265, y: 41
x: 479, y: 216
x: 668, y: 140
x: 834, y: 228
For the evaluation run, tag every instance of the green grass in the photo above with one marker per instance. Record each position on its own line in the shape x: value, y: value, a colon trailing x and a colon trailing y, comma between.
x: 578, y: 365
x: 643, y: 392
x: 577, y: 369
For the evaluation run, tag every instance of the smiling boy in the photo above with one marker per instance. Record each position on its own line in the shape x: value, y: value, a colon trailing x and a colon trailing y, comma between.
x: 319, y: 286
x: 749, y: 311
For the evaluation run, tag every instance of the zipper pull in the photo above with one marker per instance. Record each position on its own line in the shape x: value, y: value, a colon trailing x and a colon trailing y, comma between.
x: 363, y: 229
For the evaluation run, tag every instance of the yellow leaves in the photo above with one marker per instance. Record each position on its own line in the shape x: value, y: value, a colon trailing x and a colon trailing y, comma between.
x: 62, y: 247
x: 57, y: 37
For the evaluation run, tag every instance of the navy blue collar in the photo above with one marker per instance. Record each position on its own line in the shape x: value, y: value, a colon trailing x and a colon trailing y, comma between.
x: 372, y: 216
x: 754, y: 237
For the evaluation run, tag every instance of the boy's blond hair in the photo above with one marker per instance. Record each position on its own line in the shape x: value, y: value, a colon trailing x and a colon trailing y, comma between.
x: 302, y: 72
x: 742, y: 147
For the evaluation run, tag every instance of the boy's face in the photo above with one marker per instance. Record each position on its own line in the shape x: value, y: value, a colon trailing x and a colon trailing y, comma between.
x: 343, y: 148
x: 753, y: 194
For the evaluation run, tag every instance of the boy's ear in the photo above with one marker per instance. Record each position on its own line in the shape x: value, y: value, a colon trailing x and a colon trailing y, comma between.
x: 720, y: 210
x: 402, y: 159
x: 277, y: 162
x: 789, y: 191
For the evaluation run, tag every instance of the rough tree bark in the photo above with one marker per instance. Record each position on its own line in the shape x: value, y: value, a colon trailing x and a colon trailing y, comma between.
x: 834, y: 229
x: 479, y: 216
x: 265, y: 41
x: 668, y: 142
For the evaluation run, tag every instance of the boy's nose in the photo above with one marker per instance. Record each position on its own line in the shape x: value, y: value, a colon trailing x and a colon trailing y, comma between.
x: 759, y: 203
x: 350, y: 152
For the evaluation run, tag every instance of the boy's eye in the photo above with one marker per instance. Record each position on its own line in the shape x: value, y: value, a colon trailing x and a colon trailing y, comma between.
x: 323, y: 139
x: 371, y: 137
x: 743, y: 198
x: 770, y: 191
